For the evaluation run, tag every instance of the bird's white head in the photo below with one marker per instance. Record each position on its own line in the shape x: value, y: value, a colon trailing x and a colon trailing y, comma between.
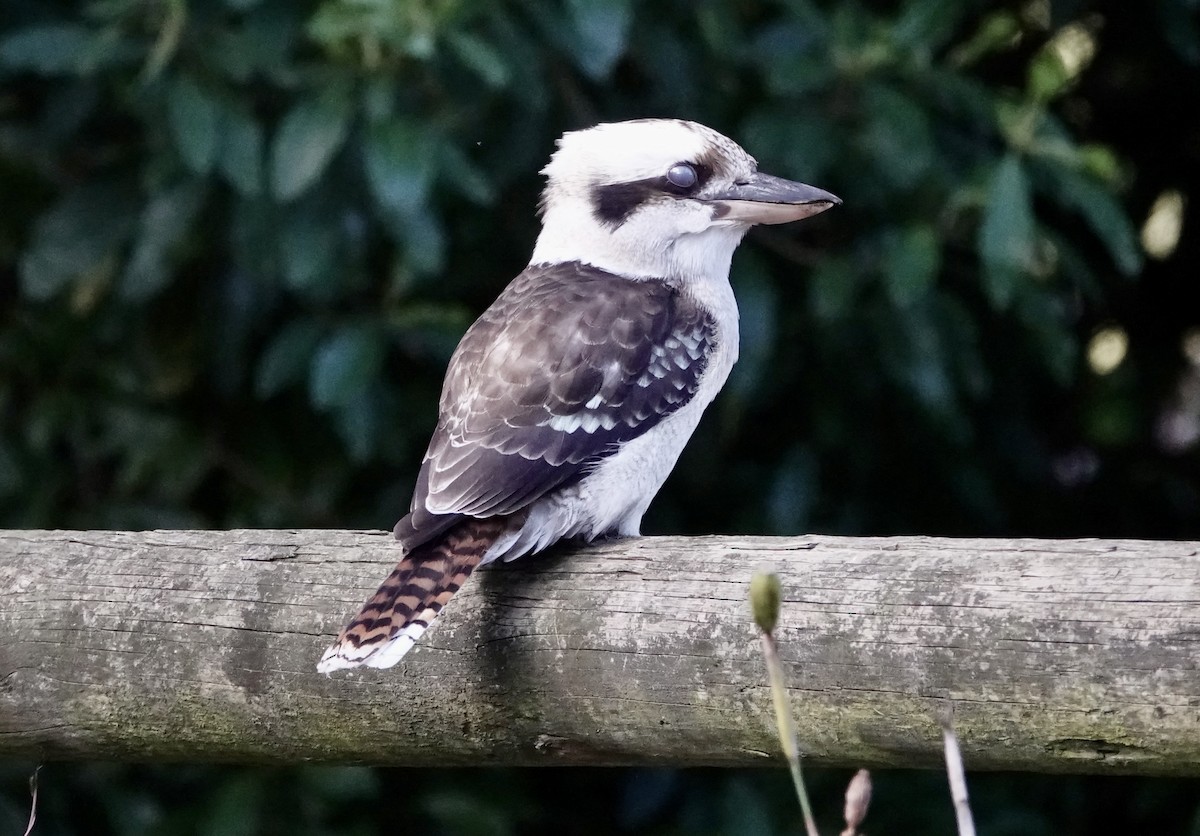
x: 660, y: 198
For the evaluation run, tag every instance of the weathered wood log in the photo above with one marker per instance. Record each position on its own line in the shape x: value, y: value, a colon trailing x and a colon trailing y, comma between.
x: 200, y: 645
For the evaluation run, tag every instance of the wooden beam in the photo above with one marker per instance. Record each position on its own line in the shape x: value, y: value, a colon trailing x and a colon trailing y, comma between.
x: 1073, y: 655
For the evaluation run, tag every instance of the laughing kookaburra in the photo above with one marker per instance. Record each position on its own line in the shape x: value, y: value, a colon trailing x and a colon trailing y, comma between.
x: 569, y: 400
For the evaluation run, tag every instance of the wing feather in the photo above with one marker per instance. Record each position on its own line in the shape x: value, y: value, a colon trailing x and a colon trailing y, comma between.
x: 566, y: 365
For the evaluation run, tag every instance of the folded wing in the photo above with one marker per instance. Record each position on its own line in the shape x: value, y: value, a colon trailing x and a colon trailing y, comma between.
x: 569, y: 363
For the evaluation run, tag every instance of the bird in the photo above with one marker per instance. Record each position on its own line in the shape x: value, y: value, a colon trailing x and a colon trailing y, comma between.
x: 567, y: 403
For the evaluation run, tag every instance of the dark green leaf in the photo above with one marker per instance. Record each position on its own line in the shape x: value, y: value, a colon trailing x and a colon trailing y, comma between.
x: 1179, y: 26
x: 792, y: 59
x: 720, y: 27
x: 287, y: 358
x: 1048, y: 76
x: 833, y: 286
x: 345, y: 365
x: 53, y: 50
x: 309, y: 249
x: 254, y: 232
x: 165, y: 223
x: 997, y: 31
x: 67, y: 110
x: 675, y: 65
x: 1007, y: 233
x: 801, y: 146
x: 195, y: 120
x: 428, y: 330
x: 306, y: 141
x: 479, y: 56
x: 966, y: 98
x: 851, y: 35
x: 471, y: 180
x: 425, y: 242
x: 400, y: 160
x: 359, y: 421
x: 928, y: 24
x: 1047, y: 323
x: 379, y: 99
x: 912, y: 258
x: 1100, y: 162
x: 262, y: 48
x: 241, y: 155
x: 744, y: 810
x: 898, y: 136
x: 1112, y: 422
x: 78, y: 239
x: 340, y: 783
x: 236, y: 807
x: 1073, y: 266
x: 525, y: 60
x: 470, y: 814
x: 601, y: 27
x: 1100, y: 208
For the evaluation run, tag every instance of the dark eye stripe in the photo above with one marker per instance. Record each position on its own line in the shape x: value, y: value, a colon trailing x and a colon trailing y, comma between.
x: 615, y: 202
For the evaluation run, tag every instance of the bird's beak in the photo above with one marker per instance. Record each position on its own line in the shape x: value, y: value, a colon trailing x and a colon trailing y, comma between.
x: 763, y: 199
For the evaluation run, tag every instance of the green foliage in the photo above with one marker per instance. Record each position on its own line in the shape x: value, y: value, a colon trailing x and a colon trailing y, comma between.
x: 133, y: 800
x: 1007, y: 236
x: 259, y: 226
x: 240, y: 240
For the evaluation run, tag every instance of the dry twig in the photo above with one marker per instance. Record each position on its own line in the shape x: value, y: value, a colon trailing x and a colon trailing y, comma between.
x: 958, y: 778
x: 33, y: 792
x: 858, y: 799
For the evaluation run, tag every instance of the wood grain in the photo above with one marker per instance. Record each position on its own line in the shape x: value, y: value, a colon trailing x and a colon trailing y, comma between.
x: 1073, y: 655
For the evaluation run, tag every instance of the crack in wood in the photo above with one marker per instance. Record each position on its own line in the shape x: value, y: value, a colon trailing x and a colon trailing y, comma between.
x: 1058, y: 655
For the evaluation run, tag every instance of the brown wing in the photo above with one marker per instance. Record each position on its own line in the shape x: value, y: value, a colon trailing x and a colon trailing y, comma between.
x: 569, y: 363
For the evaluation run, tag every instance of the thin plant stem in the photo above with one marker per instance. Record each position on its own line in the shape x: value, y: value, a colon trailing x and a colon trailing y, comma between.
x: 958, y: 780
x: 786, y: 728
x: 33, y: 792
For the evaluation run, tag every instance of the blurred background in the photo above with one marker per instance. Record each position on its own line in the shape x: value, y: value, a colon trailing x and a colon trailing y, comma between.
x: 239, y: 240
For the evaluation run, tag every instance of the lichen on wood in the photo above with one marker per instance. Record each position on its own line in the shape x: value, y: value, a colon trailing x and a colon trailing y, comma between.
x: 1076, y: 655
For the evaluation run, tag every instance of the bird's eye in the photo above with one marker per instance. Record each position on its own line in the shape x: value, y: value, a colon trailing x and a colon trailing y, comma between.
x: 682, y: 176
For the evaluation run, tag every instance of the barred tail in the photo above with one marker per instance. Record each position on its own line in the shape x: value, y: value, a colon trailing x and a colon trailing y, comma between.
x: 394, y: 618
